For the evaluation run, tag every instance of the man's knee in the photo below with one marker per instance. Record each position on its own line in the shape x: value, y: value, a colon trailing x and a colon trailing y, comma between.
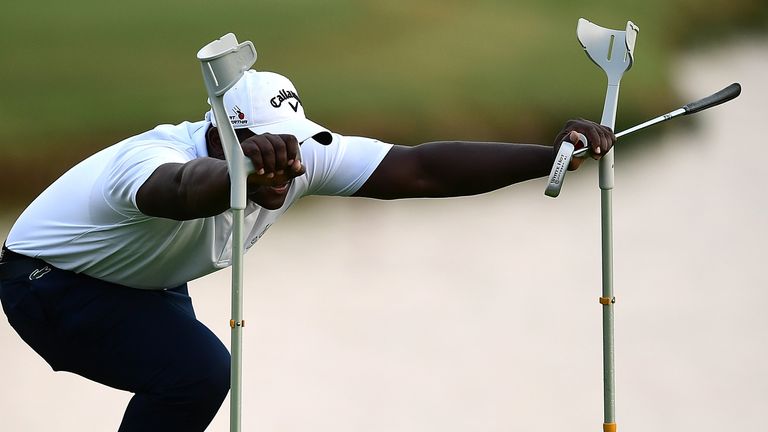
x: 199, y: 381
x: 209, y: 378
x: 215, y: 380
x: 186, y: 401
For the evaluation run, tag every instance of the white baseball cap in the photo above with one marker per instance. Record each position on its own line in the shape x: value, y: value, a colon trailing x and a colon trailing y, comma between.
x: 266, y: 102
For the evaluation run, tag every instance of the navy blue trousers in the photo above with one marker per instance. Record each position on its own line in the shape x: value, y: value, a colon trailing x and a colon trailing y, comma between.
x: 145, y: 342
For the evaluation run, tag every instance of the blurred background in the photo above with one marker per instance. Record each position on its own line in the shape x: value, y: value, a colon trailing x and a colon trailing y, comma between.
x: 472, y: 314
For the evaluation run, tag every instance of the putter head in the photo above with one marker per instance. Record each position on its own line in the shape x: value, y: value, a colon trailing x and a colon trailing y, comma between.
x: 224, y: 61
x: 560, y: 166
x: 612, y: 50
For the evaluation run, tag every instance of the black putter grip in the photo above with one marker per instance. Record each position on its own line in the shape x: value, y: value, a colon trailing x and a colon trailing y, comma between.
x: 715, y: 99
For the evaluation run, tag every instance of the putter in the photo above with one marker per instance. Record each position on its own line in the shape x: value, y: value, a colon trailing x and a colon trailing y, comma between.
x: 223, y: 62
x: 613, y: 52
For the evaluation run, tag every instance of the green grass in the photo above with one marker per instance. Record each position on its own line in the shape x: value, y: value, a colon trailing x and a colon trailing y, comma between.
x: 78, y: 75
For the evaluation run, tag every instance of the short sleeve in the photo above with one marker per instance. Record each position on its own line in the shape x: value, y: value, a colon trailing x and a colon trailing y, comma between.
x: 131, y: 167
x: 342, y: 167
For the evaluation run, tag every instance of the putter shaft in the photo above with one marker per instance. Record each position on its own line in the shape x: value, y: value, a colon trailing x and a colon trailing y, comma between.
x: 717, y: 98
x: 662, y: 118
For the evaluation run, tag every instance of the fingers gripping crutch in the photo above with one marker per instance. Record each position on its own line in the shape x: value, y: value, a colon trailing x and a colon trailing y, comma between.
x: 224, y: 61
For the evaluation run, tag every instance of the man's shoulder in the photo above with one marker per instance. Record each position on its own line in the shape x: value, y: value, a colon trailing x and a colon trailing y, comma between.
x: 352, y: 139
x: 185, y: 133
x: 343, y: 146
x: 341, y: 142
x: 185, y: 138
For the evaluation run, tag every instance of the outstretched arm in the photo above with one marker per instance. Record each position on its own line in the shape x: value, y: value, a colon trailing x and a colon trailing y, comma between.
x: 455, y: 168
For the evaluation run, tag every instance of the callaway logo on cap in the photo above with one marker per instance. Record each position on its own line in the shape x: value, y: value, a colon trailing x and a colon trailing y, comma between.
x: 284, y: 95
x: 266, y: 102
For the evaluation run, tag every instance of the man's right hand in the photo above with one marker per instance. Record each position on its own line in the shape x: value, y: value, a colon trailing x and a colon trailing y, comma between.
x: 276, y: 159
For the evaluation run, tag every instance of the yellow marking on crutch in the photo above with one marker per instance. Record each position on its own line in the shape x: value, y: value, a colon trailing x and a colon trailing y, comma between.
x: 233, y: 323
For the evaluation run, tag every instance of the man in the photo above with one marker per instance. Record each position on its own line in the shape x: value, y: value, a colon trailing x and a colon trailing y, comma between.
x: 94, y: 272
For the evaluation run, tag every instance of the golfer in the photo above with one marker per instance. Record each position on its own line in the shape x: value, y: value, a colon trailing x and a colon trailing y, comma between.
x: 94, y: 273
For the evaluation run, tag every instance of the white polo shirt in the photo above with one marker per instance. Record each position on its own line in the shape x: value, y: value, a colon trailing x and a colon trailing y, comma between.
x: 88, y: 222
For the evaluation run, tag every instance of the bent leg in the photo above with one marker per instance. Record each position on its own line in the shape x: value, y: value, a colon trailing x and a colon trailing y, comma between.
x: 184, y: 379
x: 145, y: 342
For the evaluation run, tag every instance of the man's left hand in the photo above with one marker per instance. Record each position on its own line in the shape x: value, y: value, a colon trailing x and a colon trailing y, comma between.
x: 601, y: 139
